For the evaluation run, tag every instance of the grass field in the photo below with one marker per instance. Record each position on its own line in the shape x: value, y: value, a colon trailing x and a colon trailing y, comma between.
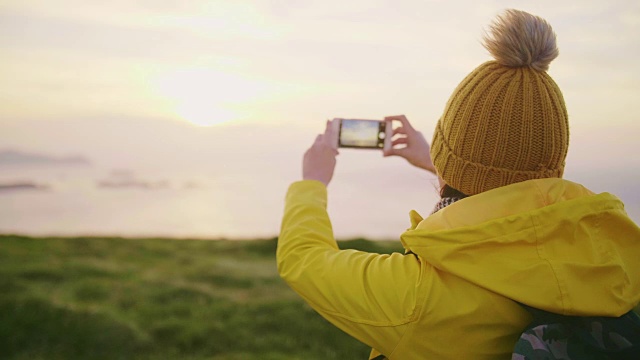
x: 112, y: 298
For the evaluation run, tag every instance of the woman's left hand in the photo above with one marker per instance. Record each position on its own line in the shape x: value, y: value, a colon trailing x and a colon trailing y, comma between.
x: 416, y: 148
x: 320, y: 160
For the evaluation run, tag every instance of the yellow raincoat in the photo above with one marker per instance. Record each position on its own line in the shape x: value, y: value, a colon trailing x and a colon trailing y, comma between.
x: 549, y: 243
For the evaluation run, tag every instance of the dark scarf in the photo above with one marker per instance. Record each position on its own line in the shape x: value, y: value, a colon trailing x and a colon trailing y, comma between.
x: 444, y: 202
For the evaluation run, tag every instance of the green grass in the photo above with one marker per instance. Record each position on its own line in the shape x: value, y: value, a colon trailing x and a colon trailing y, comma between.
x: 113, y: 298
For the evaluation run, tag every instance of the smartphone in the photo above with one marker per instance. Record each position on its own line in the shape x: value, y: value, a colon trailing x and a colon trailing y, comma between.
x: 362, y: 134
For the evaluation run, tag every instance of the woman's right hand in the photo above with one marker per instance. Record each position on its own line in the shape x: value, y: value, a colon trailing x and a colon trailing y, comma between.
x: 415, y: 149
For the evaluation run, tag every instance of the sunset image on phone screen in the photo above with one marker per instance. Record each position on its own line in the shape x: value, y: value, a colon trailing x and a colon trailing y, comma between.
x: 359, y: 133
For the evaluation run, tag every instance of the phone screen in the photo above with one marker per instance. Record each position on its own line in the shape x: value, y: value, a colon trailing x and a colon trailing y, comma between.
x: 362, y: 133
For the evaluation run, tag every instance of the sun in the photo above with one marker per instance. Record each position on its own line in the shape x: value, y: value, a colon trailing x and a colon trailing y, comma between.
x: 203, y: 113
x: 206, y: 97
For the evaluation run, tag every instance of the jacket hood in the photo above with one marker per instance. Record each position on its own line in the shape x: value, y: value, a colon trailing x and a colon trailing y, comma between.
x: 550, y: 243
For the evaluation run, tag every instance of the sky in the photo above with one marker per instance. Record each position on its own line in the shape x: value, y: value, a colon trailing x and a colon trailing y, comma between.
x: 246, y: 85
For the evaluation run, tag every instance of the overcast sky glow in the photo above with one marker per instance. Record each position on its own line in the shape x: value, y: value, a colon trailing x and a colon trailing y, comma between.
x: 70, y: 68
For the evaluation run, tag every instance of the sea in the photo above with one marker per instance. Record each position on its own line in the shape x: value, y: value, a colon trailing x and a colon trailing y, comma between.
x: 92, y: 200
x: 368, y: 198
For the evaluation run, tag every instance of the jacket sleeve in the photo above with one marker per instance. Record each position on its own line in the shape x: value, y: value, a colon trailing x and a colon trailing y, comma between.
x: 372, y: 297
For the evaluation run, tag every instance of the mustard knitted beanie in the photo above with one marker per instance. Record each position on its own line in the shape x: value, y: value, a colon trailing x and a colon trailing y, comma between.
x: 506, y: 122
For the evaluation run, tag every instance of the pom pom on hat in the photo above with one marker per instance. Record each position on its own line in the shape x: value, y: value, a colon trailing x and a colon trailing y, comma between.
x: 518, y: 39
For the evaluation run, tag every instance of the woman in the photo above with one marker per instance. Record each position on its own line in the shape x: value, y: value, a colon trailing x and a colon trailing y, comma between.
x: 507, y: 230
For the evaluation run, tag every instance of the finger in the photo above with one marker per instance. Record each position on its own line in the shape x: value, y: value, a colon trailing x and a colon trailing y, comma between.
x: 399, y: 130
x: 405, y: 127
x: 389, y: 120
x: 330, y: 135
x: 395, y: 152
x: 400, y: 152
x: 399, y: 141
x: 388, y: 152
x: 403, y: 120
x: 394, y: 117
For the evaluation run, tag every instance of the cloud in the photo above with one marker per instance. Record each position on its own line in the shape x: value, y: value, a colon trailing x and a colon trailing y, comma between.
x: 315, y: 59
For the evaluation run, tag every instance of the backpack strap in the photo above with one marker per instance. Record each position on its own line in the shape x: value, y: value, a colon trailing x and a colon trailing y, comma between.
x: 555, y: 336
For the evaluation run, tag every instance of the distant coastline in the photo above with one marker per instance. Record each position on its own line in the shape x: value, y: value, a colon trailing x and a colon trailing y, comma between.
x: 17, y: 157
x: 23, y: 186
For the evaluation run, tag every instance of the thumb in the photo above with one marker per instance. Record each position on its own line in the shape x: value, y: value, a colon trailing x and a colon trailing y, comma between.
x: 394, y: 152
